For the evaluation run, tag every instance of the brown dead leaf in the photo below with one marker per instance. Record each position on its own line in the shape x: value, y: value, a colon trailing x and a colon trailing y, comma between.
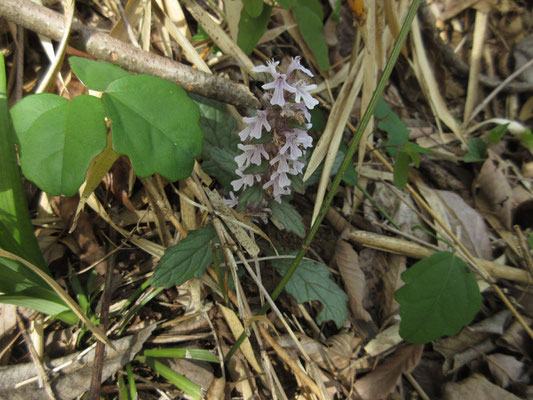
x: 505, y: 369
x: 382, y: 381
x: 392, y: 281
x: 494, y: 185
x: 353, y: 278
x: 476, y: 387
x: 467, y: 224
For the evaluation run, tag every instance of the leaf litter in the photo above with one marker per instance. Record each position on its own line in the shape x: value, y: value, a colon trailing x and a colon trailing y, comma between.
x: 360, y: 351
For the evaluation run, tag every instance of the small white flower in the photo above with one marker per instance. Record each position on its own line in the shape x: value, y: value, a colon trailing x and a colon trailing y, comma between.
x: 292, y: 145
x: 302, y: 92
x: 255, y: 126
x: 270, y: 68
x: 281, y: 159
x: 279, y: 85
x: 252, y: 154
x: 295, y: 65
x: 303, y: 138
x: 244, y: 181
x: 232, y: 202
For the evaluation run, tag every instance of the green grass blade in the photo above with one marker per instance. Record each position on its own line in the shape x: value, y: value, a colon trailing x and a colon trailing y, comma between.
x: 190, y: 354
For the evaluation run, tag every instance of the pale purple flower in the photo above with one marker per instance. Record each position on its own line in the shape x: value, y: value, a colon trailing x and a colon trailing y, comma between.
x: 270, y: 68
x: 252, y: 154
x: 279, y: 85
x: 244, y: 181
x: 255, y: 126
x: 279, y: 182
x: 303, y: 138
x: 301, y: 107
x: 232, y: 202
x: 292, y: 145
x: 281, y: 159
x: 302, y: 92
x: 295, y: 65
x: 297, y: 167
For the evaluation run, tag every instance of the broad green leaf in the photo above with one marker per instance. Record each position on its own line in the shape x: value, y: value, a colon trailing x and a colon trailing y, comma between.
x: 310, y: 25
x: 288, y: 216
x: 96, y: 75
x: 56, y: 150
x: 257, y: 169
x: 221, y: 165
x: 297, y: 184
x: 253, y: 193
x: 188, y: 259
x: 439, y: 298
x: 318, y: 120
x: 38, y: 299
x: 312, y: 5
x: 530, y: 241
x: 477, y: 151
x: 392, y: 124
x: 312, y: 281
x: 251, y: 28
x: 254, y: 8
x: 496, y: 134
x: 350, y: 175
x: 401, y: 170
x: 286, y: 4
x: 25, y: 112
x: 155, y: 124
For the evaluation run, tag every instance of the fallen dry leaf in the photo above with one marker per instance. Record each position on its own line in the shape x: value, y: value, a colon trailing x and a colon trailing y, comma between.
x: 494, y: 185
x: 353, y: 278
x: 382, y: 381
x: 392, y: 281
x: 505, y: 369
x: 476, y: 387
x: 467, y: 224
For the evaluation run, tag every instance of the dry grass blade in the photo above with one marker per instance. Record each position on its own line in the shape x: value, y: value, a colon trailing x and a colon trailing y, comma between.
x: 475, y: 63
x: 426, y: 78
x: 219, y: 36
x: 50, y: 76
x: 328, y: 144
x: 134, y: 11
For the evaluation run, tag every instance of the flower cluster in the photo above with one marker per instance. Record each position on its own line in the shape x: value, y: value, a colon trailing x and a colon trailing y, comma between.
x: 274, y: 139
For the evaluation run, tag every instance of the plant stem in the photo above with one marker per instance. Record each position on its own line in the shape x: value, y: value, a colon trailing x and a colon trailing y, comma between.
x: 345, y: 163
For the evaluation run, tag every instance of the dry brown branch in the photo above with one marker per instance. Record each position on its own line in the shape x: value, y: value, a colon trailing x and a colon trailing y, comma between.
x: 106, y: 48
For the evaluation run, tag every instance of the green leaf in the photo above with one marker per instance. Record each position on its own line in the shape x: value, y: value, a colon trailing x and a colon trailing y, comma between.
x: 254, y: 8
x: 390, y: 123
x: 251, y: 28
x: 527, y: 139
x: 315, y: 176
x: 297, y: 184
x: 530, y: 241
x: 477, y: 151
x: 253, y: 193
x: 286, y: 4
x: 190, y: 354
x: 401, y: 170
x: 257, y: 169
x: 312, y: 5
x: 188, y: 259
x: 57, y: 148
x: 155, y: 124
x: 350, y: 175
x: 310, y: 25
x: 318, y: 120
x: 439, y: 298
x: 37, y: 298
x: 96, y: 75
x: 496, y: 134
x: 181, y: 382
x: 220, y: 142
x: 288, y: 216
x: 312, y: 281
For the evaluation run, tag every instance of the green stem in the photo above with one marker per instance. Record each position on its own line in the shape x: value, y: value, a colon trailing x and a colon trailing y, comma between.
x: 345, y: 162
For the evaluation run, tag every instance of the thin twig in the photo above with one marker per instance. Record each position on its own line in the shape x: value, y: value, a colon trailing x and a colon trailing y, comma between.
x: 106, y: 48
x: 36, y: 360
x: 99, y: 357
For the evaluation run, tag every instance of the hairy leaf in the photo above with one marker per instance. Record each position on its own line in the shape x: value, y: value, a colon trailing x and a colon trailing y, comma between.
x: 401, y: 170
x: 439, y: 298
x: 288, y: 216
x: 253, y: 193
x: 312, y: 281
x: 188, y: 259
